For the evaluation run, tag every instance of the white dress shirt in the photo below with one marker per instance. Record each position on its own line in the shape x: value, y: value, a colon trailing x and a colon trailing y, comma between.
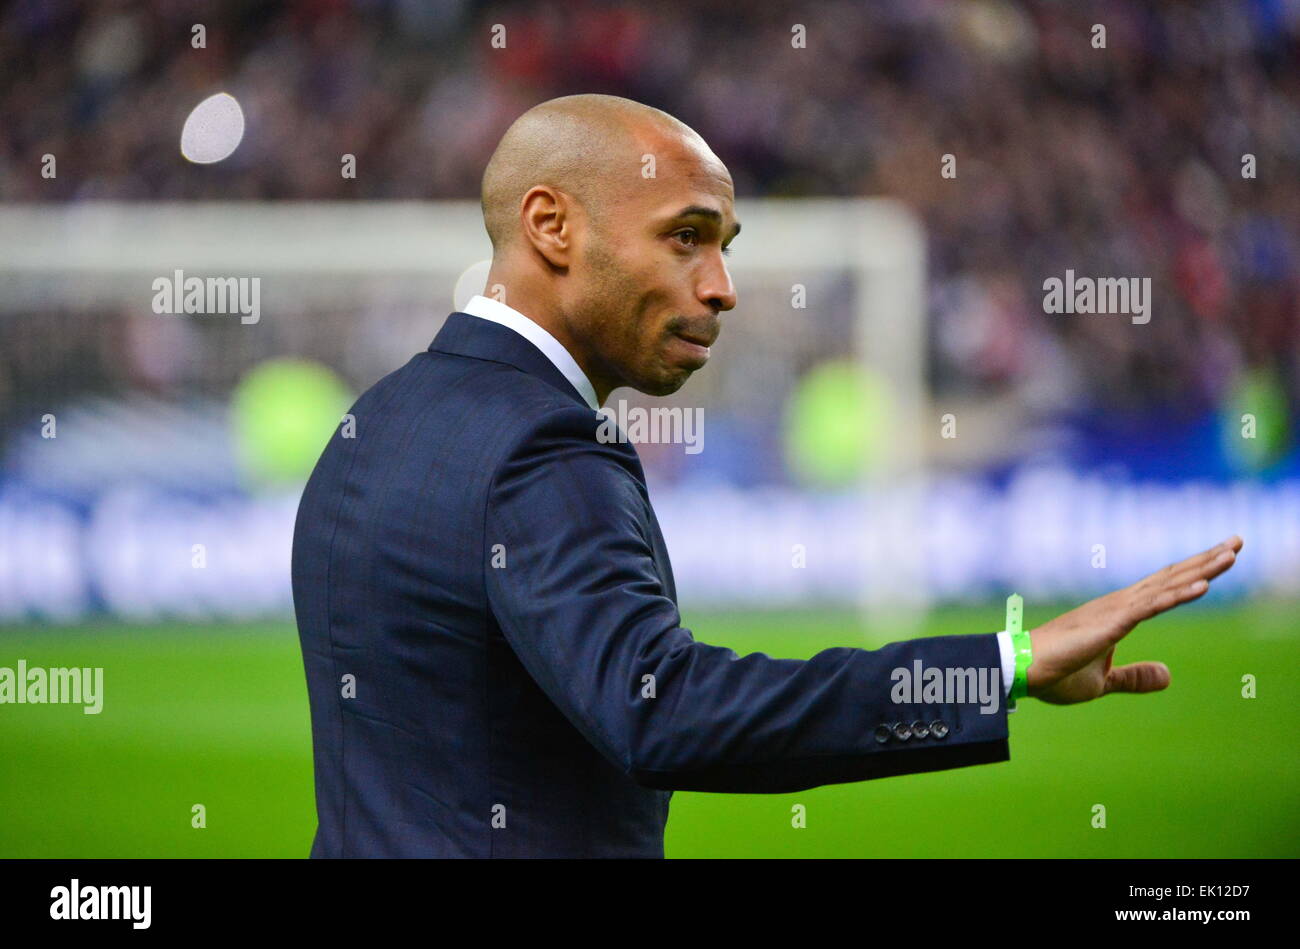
x: 498, y: 312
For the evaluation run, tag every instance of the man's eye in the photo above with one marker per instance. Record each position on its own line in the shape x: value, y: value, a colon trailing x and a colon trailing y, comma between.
x: 691, y: 231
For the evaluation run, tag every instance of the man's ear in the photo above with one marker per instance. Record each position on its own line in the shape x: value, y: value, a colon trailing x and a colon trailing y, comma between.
x: 547, y: 221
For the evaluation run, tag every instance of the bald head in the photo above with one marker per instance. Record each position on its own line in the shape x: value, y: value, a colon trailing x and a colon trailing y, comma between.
x: 589, y: 146
x: 620, y: 259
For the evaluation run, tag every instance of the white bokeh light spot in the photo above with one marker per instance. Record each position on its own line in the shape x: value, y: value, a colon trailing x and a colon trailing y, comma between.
x: 213, y: 130
x: 473, y: 280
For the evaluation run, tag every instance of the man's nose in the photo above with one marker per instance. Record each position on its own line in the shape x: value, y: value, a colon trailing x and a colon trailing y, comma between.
x: 716, y: 289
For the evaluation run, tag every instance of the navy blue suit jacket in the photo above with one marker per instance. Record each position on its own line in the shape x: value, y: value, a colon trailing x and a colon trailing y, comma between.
x: 482, y: 590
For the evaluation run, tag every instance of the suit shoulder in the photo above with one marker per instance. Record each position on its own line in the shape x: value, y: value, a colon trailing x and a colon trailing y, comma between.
x: 505, y: 392
x: 494, y: 384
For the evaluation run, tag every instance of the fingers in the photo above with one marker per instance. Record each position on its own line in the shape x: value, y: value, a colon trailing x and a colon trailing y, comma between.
x: 1138, y: 677
x: 1187, y: 570
x: 1176, y: 583
x: 1153, y: 602
x: 1207, y: 569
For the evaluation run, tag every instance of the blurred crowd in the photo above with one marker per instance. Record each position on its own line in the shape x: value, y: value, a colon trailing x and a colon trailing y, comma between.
x: 1119, y: 161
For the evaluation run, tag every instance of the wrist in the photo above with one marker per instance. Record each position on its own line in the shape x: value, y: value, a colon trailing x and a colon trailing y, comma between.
x: 1022, y: 649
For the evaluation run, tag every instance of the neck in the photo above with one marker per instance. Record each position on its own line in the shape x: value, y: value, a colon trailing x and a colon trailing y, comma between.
x: 544, y: 310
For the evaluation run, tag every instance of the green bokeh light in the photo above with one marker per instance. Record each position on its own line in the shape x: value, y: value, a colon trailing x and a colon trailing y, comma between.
x: 838, y: 424
x: 1258, y: 393
x: 283, y: 413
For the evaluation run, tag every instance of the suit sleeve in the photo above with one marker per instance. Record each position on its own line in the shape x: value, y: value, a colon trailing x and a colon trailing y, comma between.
x: 580, y: 601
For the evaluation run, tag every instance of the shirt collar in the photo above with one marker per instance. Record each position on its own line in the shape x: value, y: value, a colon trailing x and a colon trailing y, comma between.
x: 497, y: 312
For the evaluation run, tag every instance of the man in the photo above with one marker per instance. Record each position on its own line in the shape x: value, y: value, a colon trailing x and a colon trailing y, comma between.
x: 488, y: 617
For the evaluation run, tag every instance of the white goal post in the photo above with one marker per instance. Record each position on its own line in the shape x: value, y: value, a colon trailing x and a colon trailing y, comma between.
x: 88, y: 253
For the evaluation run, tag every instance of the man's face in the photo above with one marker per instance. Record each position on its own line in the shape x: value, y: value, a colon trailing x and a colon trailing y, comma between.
x: 652, y: 277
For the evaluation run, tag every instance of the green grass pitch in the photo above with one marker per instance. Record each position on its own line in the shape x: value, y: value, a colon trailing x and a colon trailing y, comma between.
x: 218, y: 715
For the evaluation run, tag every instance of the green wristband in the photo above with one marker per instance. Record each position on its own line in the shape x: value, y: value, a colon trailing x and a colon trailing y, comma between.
x: 1020, y: 646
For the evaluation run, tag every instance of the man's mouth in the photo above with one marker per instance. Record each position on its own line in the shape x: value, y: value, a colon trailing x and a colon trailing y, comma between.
x: 699, y: 339
x: 702, y: 332
x: 694, y: 348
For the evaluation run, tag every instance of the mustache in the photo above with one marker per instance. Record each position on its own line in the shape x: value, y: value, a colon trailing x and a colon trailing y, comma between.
x: 703, y: 330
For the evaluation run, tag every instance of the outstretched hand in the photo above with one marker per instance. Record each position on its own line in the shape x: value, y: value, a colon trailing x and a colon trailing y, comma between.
x: 1072, y: 654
